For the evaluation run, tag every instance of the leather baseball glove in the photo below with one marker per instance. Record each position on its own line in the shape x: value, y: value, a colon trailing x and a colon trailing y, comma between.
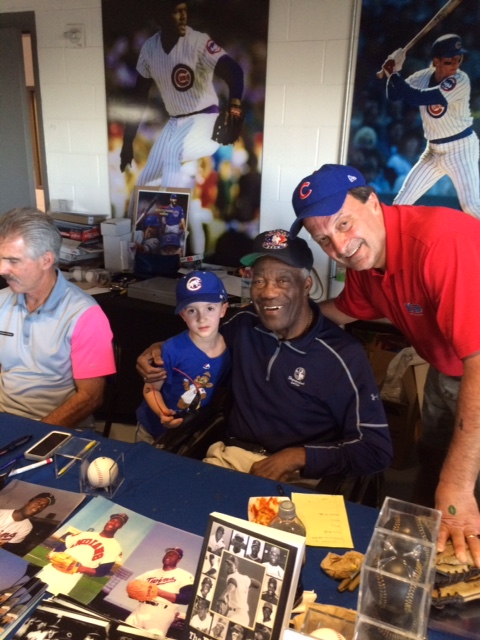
x: 64, y: 562
x: 142, y: 590
x: 458, y: 593
x: 449, y: 569
x: 228, y: 124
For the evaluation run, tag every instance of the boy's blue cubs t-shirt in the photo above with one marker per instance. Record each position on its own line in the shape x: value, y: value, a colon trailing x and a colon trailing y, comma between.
x: 189, y: 370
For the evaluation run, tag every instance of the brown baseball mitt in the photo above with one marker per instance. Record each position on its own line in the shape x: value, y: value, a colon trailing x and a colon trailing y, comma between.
x: 228, y: 124
x: 456, y: 594
x: 340, y: 567
x: 449, y: 569
x: 64, y: 562
x: 142, y: 590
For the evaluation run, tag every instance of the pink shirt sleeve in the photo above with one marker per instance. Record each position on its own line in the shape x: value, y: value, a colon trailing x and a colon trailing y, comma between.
x: 92, y: 351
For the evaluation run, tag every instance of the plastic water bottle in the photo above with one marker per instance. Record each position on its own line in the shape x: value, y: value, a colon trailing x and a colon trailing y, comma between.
x: 287, y: 520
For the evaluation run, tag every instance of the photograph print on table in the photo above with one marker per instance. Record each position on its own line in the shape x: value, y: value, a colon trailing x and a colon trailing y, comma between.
x: 29, y: 513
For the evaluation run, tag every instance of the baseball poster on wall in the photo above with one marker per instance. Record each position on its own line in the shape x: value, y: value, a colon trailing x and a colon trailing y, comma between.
x: 415, y: 116
x: 185, y: 85
x: 160, y: 221
x: 245, y: 581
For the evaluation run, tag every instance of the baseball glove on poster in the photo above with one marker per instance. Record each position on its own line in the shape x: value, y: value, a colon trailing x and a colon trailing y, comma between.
x: 228, y: 124
x: 142, y: 590
x: 64, y: 562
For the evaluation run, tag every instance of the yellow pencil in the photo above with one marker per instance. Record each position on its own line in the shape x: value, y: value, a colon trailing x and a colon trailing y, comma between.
x: 79, y: 456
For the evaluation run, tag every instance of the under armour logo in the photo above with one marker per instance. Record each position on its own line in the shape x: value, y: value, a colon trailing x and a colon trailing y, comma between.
x: 352, y: 178
x: 374, y: 396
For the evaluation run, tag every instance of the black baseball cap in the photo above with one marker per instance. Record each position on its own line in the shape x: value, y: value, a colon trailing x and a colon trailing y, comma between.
x: 120, y: 516
x: 44, y: 496
x: 279, y: 244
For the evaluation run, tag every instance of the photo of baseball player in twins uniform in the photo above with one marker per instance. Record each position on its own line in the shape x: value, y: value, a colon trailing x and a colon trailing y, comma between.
x: 414, y: 132
x: 15, y: 524
x: 162, y: 593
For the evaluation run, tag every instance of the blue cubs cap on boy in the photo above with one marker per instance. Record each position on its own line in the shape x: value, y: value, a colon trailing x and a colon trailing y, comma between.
x: 279, y: 245
x: 323, y: 193
x: 199, y: 286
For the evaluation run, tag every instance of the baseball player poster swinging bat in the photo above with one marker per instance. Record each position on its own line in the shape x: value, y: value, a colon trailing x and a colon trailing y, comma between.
x: 437, y: 18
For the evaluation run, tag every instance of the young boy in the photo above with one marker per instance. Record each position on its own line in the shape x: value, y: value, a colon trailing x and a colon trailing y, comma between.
x: 196, y: 360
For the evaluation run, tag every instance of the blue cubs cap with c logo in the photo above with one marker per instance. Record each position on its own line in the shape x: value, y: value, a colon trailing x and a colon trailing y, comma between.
x: 199, y: 286
x: 323, y: 193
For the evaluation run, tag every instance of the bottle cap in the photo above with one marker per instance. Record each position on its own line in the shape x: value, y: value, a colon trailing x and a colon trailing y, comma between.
x: 286, y: 510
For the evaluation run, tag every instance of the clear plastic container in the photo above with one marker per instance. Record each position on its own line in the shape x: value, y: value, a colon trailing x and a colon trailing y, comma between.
x: 287, y: 520
x: 398, y: 572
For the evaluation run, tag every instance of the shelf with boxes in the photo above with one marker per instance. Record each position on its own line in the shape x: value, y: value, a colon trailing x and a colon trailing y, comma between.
x: 118, y: 248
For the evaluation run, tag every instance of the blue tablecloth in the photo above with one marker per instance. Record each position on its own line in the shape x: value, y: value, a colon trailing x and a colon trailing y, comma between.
x: 183, y: 492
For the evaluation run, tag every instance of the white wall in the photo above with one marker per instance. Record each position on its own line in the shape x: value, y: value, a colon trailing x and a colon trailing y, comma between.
x: 308, y: 50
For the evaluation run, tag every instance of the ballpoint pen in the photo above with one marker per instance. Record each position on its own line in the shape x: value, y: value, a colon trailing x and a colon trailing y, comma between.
x: 16, y: 459
x: 14, y: 444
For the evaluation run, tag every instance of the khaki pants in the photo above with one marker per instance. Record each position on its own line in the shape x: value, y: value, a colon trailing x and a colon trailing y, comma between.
x: 231, y: 457
x: 239, y: 459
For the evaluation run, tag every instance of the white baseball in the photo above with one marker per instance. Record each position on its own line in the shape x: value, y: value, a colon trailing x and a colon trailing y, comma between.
x: 326, y: 634
x: 102, y: 472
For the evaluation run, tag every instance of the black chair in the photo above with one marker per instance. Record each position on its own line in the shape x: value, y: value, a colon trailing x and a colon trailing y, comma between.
x: 208, y: 425
x: 111, y: 391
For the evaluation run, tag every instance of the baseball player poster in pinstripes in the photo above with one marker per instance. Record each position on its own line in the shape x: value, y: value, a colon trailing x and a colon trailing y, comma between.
x: 414, y: 134
x: 171, y: 69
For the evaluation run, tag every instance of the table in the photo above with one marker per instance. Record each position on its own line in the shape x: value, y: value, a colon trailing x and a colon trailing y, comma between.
x: 182, y: 492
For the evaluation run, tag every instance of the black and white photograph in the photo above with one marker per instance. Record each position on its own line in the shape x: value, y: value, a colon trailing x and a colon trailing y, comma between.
x: 247, y: 576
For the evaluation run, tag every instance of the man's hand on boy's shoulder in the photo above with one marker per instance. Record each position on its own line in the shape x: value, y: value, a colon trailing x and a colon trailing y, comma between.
x: 150, y: 364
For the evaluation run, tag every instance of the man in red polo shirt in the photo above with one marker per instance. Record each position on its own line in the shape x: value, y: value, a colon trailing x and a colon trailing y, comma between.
x: 420, y: 268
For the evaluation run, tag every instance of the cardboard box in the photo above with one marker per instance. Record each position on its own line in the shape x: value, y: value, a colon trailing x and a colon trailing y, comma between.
x: 78, y: 218
x: 116, y: 226
x: 115, y: 256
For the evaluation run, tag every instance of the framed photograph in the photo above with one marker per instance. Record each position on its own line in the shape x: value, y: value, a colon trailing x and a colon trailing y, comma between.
x: 245, y: 581
x: 160, y: 220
